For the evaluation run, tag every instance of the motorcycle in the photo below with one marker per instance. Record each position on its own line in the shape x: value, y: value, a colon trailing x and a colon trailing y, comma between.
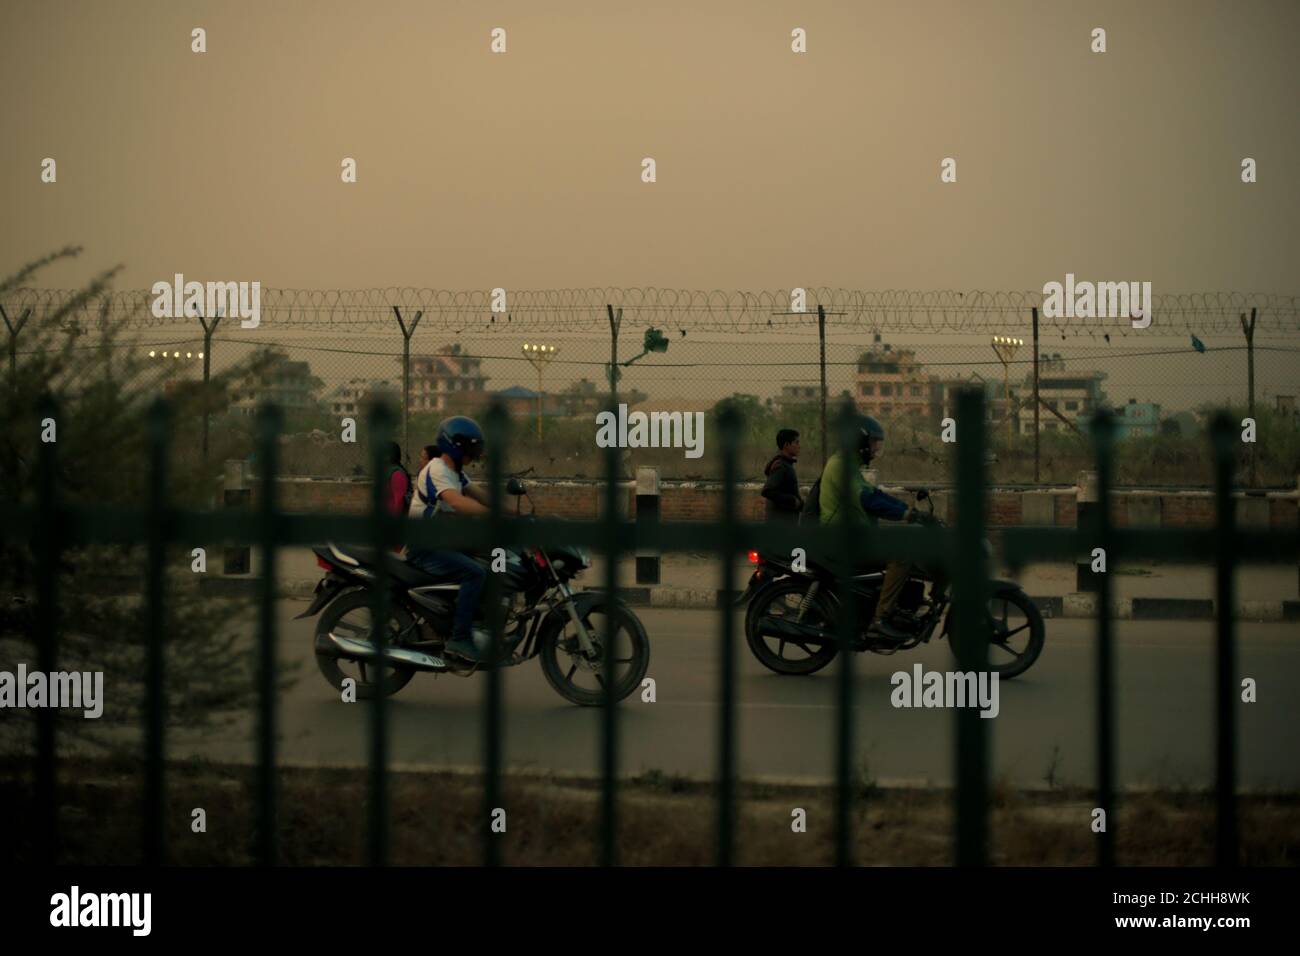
x: 543, y: 618
x: 797, y: 610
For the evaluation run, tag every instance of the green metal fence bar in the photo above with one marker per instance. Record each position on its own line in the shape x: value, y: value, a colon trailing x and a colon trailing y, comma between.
x: 47, y: 546
x: 609, y: 739
x: 268, y: 446
x: 1223, y: 435
x: 728, y: 433
x: 970, y: 632
x: 1103, y: 435
x: 497, y: 442
x: 845, y: 550
x: 157, y: 532
x: 381, y: 428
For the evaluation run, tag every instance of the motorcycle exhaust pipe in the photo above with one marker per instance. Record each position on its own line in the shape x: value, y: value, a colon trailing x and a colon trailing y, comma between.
x: 353, y: 649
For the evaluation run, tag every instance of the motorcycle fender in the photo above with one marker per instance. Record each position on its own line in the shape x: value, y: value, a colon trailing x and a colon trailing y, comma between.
x: 327, y: 588
x: 583, y: 601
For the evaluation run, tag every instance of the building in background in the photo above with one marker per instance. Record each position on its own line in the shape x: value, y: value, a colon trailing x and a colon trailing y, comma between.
x: 1137, y: 419
x: 795, y: 397
x: 1074, y: 395
x: 891, y: 383
x: 354, y: 396
x: 521, y: 403
x: 278, y: 380
x: 447, y: 380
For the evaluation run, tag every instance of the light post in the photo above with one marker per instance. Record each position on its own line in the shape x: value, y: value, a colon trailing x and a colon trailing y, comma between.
x: 538, y: 356
x: 1005, y: 348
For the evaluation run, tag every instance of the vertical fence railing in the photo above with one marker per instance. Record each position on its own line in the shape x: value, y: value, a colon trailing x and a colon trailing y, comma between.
x: 381, y: 432
x: 268, y: 447
x: 729, y: 433
x: 609, y: 724
x: 1222, y: 436
x: 47, y: 543
x: 847, y: 442
x: 158, y: 534
x: 493, y: 727
x: 970, y: 632
x: 1103, y: 437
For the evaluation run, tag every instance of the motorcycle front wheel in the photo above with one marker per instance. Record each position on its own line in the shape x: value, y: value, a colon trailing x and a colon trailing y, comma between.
x: 1017, y: 633
x: 581, y: 680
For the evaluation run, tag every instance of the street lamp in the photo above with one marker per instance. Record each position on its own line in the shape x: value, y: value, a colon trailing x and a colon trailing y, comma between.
x: 538, y: 356
x: 1005, y: 348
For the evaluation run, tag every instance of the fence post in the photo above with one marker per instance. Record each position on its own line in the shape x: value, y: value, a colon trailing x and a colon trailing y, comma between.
x: 498, y: 439
x: 821, y: 335
x: 1085, y: 507
x: 406, y: 378
x: 208, y: 330
x: 381, y: 432
x: 14, y: 328
x: 154, y: 803
x: 609, y: 740
x: 1223, y: 435
x: 49, y: 537
x: 1103, y: 427
x: 1037, y: 475
x: 846, y: 537
x: 971, y: 630
x: 268, y: 442
x: 1249, y: 329
x: 647, y: 512
x: 729, y: 433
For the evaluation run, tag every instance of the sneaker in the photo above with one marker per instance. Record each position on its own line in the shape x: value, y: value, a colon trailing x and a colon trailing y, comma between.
x: 472, y: 648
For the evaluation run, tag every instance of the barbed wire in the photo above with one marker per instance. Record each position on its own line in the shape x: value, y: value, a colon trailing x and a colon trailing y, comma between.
x: 585, y: 310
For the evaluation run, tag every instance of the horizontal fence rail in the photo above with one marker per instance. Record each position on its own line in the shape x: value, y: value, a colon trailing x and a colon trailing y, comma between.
x: 54, y: 526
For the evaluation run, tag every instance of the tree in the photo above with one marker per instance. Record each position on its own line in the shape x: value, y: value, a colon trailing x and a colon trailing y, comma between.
x: 103, y: 385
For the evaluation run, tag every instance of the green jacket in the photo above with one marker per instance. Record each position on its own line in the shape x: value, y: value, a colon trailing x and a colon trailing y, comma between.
x: 830, y: 494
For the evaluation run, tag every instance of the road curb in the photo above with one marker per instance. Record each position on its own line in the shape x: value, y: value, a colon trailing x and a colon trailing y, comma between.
x: 1079, y: 604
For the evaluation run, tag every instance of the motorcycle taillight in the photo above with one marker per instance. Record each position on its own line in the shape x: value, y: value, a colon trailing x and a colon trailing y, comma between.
x: 321, y: 562
x: 539, y: 558
x: 753, y: 557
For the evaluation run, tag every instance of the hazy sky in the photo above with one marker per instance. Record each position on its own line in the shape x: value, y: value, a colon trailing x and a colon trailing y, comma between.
x: 774, y: 169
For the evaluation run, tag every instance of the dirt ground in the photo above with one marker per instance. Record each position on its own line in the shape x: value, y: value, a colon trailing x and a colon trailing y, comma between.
x: 663, y: 821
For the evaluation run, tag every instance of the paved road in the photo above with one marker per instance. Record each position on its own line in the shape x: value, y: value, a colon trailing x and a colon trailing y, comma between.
x: 1165, y: 712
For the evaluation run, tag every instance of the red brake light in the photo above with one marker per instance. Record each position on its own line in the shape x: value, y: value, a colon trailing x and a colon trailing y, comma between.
x: 753, y: 557
x: 323, y: 563
x: 540, y: 558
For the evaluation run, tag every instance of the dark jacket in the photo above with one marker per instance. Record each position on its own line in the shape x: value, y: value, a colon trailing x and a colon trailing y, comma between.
x: 781, y: 490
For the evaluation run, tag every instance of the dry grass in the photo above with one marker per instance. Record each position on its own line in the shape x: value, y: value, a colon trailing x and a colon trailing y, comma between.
x: 663, y: 821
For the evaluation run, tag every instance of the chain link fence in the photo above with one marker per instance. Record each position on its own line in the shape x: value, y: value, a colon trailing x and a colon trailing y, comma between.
x: 781, y: 356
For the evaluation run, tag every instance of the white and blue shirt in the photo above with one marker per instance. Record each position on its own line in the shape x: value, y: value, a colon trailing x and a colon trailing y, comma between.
x: 435, y: 478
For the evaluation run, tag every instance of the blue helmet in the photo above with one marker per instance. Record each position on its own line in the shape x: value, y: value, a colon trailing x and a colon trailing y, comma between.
x: 462, y: 439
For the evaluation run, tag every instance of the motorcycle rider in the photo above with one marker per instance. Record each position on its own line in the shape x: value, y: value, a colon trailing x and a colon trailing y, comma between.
x: 443, y: 486
x: 868, y: 505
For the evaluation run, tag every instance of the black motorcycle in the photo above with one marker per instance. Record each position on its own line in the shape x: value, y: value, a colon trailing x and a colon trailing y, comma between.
x: 544, y: 618
x: 791, y: 618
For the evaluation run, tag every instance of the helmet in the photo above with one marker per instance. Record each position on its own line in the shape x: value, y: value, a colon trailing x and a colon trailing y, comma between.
x: 462, y: 439
x: 867, y: 429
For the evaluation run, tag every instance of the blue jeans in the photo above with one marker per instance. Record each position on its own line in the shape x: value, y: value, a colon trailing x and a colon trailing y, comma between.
x: 454, y: 566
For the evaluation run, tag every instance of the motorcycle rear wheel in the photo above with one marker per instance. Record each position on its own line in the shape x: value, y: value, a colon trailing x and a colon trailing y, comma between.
x: 782, y: 600
x: 350, y: 615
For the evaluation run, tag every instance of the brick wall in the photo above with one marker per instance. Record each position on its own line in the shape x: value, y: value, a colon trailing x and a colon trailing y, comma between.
x: 690, y: 501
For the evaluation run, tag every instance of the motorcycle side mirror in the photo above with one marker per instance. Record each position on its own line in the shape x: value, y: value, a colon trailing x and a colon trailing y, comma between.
x: 515, y: 487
